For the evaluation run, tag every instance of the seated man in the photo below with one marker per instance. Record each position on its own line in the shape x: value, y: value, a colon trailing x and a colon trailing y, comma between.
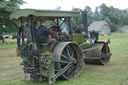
x: 43, y: 36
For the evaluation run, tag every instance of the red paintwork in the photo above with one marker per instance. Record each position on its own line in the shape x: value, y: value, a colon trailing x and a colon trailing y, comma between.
x: 105, y: 46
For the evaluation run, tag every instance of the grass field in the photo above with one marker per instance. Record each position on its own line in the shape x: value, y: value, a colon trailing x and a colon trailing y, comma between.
x: 114, y: 73
x: 8, y: 43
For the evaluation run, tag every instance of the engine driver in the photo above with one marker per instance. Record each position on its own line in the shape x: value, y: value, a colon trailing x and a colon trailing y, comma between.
x: 43, y: 35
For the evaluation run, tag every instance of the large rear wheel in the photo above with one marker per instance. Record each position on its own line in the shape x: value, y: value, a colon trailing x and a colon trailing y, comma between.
x: 70, y: 55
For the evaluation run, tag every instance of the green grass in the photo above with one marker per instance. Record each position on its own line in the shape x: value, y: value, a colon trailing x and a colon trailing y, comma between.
x: 114, y: 73
x: 8, y: 43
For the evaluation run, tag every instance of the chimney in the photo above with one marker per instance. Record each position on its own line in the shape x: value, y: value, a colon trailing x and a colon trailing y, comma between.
x: 85, y: 22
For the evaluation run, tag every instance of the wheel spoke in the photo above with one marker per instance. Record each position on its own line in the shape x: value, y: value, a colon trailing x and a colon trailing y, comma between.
x: 69, y: 71
x: 73, y: 53
x: 65, y: 57
x: 62, y: 61
x: 70, y: 56
x: 68, y: 52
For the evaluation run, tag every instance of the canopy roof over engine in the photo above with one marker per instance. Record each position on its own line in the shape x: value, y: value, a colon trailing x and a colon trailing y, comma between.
x: 43, y: 13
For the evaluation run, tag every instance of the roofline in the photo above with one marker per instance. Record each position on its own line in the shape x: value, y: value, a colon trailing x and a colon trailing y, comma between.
x: 59, y: 11
x: 43, y: 13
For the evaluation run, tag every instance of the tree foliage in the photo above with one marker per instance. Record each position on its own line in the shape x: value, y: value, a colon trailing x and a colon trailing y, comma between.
x: 76, y: 22
x: 6, y: 8
x: 114, y: 16
x: 90, y: 14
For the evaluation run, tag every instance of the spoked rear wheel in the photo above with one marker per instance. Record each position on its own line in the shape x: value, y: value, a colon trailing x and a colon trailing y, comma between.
x: 71, y: 56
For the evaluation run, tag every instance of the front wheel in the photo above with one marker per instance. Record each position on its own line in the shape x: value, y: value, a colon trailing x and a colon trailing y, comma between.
x: 98, y: 56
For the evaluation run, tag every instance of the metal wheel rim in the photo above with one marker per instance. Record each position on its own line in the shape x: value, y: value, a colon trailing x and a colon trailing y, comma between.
x: 75, y: 72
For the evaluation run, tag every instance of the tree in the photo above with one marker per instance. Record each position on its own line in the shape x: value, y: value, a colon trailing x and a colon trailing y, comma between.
x: 90, y: 14
x: 97, y: 15
x: 76, y: 22
x: 114, y: 16
x: 6, y: 8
